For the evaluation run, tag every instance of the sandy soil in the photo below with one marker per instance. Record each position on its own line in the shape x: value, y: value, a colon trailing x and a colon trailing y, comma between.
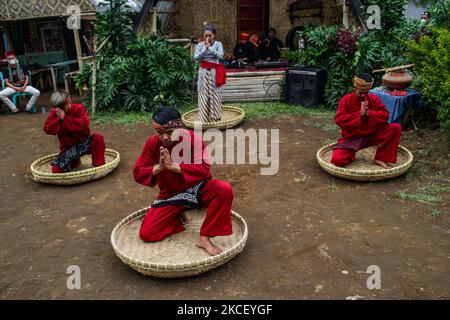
x: 311, y: 235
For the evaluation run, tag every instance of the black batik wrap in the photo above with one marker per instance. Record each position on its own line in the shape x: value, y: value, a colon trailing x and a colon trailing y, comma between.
x: 189, y: 198
x: 75, y: 152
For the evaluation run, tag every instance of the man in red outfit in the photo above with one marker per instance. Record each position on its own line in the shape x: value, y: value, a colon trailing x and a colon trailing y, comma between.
x: 364, y: 122
x: 183, y: 183
x: 71, y: 123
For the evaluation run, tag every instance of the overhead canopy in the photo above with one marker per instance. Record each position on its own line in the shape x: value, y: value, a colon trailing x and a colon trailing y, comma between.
x: 21, y: 10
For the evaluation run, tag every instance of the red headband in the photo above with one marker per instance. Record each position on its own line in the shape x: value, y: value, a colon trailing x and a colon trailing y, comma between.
x: 170, y: 125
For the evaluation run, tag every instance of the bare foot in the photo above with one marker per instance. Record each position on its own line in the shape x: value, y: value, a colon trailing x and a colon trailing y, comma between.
x: 15, y: 110
x: 206, y: 244
x: 381, y: 163
x: 184, y: 218
x: 391, y: 164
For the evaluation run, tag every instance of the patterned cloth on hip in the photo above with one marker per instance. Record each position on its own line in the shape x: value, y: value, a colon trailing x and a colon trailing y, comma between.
x: 189, y: 198
x: 75, y: 152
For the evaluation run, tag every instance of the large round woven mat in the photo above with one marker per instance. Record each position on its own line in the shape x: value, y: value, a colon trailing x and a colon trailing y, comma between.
x: 231, y: 117
x: 41, y: 169
x: 363, y: 169
x: 177, y: 255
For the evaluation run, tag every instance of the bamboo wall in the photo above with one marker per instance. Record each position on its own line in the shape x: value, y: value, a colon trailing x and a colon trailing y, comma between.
x: 22, y: 9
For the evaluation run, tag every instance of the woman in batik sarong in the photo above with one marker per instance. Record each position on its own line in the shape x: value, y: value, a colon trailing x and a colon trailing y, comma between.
x: 211, y: 76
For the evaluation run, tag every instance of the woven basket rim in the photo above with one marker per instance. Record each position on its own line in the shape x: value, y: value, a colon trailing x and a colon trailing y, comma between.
x: 341, y: 171
x: 215, y: 124
x: 174, y: 267
x: 74, y: 174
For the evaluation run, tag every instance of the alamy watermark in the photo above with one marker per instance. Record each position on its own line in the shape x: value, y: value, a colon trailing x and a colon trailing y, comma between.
x: 235, y: 146
x: 74, y: 280
x: 373, y: 21
x: 74, y: 19
x: 374, y: 280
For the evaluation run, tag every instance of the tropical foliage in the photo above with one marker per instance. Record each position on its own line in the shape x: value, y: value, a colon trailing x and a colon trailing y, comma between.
x: 344, y: 53
x: 135, y: 72
x: 431, y: 56
x: 439, y: 12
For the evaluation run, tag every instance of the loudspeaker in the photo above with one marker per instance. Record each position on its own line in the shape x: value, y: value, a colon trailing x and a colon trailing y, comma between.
x: 305, y: 86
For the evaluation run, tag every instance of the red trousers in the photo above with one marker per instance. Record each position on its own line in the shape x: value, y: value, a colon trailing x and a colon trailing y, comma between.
x: 387, y: 140
x: 97, y: 150
x: 216, y: 195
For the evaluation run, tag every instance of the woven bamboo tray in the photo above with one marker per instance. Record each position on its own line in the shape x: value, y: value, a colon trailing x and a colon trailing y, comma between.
x: 362, y: 169
x: 177, y: 255
x: 42, y: 172
x: 231, y: 117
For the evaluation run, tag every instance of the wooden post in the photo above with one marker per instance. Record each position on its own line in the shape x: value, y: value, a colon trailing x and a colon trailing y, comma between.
x: 94, y: 72
x: 345, y: 11
x: 94, y: 50
x: 66, y: 83
x: 55, y: 84
x: 192, y: 49
x: 78, y: 48
x: 154, y: 21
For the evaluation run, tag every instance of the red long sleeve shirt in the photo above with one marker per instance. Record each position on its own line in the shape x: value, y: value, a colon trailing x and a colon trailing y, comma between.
x: 171, y: 183
x: 348, y: 116
x: 72, y: 129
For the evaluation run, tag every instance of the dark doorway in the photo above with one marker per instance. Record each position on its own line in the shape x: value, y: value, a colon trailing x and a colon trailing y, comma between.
x: 253, y: 16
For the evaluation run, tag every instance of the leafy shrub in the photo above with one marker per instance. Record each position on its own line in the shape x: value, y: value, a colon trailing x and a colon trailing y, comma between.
x: 116, y: 24
x: 346, y: 41
x: 344, y: 53
x: 321, y: 41
x: 152, y: 72
x: 439, y: 11
x: 392, y: 14
x: 135, y: 73
x: 431, y: 56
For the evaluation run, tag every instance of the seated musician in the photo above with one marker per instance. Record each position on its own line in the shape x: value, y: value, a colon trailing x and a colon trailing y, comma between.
x: 183, y: 183
x: 71, y: 123
x: 364, y: 122
x: 244, y: 52
x: 269, y: 47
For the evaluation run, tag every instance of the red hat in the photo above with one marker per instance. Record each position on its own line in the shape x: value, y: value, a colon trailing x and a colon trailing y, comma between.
x: 9, y: 53
x: 243, y: 36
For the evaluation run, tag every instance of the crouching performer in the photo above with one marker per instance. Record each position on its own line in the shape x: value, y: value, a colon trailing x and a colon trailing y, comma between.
x: 176, y: 160
x: 71, y: 123
x: 364, y: 122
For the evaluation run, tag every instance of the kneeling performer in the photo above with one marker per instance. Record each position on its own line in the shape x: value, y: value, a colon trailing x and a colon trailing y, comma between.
x: 71, y: 123
x: 185, y: 182
x: 363, y: 119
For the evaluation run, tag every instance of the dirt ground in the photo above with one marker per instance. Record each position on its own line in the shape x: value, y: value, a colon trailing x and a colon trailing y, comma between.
x: 311, y: 236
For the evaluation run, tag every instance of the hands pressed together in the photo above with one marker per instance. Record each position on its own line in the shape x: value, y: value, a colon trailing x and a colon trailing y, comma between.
x: 60, y: 114
x: 364, y: 108
x: 165, y: 162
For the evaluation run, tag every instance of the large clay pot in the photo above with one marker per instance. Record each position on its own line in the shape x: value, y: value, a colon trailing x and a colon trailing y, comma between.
x: 399, y: 79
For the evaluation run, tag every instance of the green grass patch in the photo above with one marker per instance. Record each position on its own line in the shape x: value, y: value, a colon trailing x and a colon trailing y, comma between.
x: 430, y: 193
x: 121, y: 117
x: 435, y: 214
x: 253, y: 110
x: 419, y: 197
